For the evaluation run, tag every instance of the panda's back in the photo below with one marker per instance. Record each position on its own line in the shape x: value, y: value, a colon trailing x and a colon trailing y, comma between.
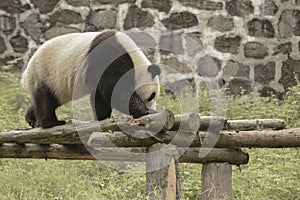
x: 56, y: 63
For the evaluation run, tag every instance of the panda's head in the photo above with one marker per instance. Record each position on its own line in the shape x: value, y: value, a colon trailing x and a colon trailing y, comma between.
x: 146, y: 75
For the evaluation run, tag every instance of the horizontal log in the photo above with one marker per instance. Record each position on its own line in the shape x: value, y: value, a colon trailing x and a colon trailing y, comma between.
x: 257, y: 124
x: 79, y: 152
x: 90, y: 133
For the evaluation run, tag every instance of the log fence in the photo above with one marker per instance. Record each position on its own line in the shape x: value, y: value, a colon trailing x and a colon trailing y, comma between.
x: 183, y: 138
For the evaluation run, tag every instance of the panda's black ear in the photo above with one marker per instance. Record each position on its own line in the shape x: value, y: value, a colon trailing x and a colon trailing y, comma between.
x: 154, y: 70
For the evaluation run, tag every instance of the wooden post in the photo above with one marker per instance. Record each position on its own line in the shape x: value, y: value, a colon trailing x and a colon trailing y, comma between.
x: 216, y: 181
x: 162, y: 176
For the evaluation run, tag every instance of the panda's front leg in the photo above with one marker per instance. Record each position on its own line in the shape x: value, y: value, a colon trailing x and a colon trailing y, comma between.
x: 102, y: 110
x: 45, y: 104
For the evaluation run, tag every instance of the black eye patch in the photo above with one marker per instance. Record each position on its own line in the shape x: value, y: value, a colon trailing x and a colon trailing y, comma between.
x: 152, y: 96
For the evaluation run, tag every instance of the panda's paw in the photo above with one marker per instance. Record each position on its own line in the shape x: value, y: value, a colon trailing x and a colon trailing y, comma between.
x: 49, y: 124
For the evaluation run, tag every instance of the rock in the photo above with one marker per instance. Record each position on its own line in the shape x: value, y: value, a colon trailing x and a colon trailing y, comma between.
x: 228, y: 44
x: 65, y: 17
x: 3, y: 47
x: 32, y: 26
x: 239, y: 8
x: 208, y: 66
x: 267, y: 91
x: 57, y: 30
x: 137, y: 18
x: 264, y: 73
x: 161, y: 5
x: 78, y: 3
x: 99, y: 2
x: 290, y: 70
x: 221, y: 23
x: 289, y: 23
x: 142, y: 39
x: 176, y: 66
x: 19, y: 44
x: 260, y: 28
x: 238, y: 86
x: 193, y: 43
x: 171, y: 43
x: 285, y: 48
x: 235, y: 69
x: 101, y: 19
x: 7, y: 24
x: 180, y: 87
x: 203, y: 4
x: 18, y: 63
x: 45, y: 6
x: 13, y: 6
x: 255, y: 50
x: 269, y: 8
x: 180, y: 20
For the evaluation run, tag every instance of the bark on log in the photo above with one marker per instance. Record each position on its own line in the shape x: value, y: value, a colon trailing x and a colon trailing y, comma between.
x: 79, y: 152
x: 227, y: 139
x: 257, y: 124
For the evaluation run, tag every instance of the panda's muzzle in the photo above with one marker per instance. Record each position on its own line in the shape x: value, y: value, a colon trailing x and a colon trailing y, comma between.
x: 137, y: 107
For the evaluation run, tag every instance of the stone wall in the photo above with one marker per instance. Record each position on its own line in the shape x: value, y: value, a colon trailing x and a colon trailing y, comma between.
x: 253, y: 44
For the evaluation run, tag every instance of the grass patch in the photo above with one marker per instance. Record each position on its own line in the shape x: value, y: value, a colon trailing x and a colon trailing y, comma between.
x: 270, y: 174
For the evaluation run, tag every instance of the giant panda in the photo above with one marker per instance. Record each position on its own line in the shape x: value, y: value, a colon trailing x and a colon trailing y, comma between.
x: 107, y: 65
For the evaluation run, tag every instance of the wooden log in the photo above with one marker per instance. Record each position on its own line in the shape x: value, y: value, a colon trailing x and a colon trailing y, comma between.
x: 79, y: 152
x: 216, y: 181
x: 140, y: 138
x: 186, y: 122
x: 211, y: 121
x: 257, y: 124
x: 159, y: 121
x: 161, y: 172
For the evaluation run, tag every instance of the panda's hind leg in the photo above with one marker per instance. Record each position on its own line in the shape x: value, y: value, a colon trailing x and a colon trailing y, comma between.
x: 30, y: 116
x: 45, y: 104
x: 102, y: 109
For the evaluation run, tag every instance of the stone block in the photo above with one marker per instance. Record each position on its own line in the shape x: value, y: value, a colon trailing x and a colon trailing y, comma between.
x: 97, y: 2
x: 19, y: 44
x: 264, y: 73
x: 58, y: 30
x: 142, y: 39
x: 269, y: 8
x: 65, y: 17
x: 7, y: 24
x: 173, y: 65
x: 101, y: 19
x: 78, y: 3
x: 234, y: 69
x: 13, y: 6
x: 285, y: 48
x: 289, y: 23
x: 45, y: 6
x: 221, y: 23
x: 3, y: 47
x: 180, y: 20
x: 239, y: 8
x: 161, y: 5
x: 203, y: 4
x: 290, y: 73
x: 171, y: 43
x: 226, y: 44
x: 255, y: 50
x: 193, y: 43
x: 208, y: 66
x: 137, y: 18
x: 260, y: 28
x: 32, y: 26
x: 238, y: 86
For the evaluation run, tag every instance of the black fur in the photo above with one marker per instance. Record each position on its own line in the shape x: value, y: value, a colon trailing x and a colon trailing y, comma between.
x: 42, y: 111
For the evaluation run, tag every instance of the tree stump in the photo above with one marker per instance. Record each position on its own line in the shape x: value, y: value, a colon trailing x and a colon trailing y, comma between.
x: 162, y: 176
x: 216, y: 181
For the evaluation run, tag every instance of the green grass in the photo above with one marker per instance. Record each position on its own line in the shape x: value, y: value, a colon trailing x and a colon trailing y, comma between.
x: 270, y: 174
